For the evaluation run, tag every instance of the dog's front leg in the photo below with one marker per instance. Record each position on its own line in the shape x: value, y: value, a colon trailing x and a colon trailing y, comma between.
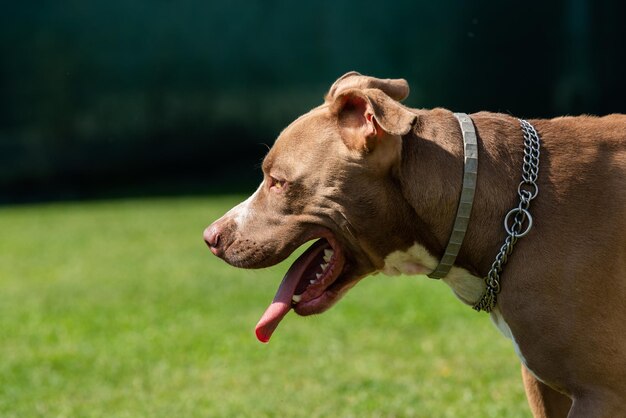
x: 544, y: 401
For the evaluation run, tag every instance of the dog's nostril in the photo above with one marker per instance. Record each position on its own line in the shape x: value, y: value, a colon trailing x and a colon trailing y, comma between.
x: 212, y: 237
x: 216, y: 241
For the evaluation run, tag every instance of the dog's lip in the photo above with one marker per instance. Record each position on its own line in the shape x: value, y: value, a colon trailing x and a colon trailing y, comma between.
x: 316, y: 305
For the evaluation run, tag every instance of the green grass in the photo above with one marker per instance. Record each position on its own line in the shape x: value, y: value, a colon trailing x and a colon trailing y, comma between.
x: 117, y: 309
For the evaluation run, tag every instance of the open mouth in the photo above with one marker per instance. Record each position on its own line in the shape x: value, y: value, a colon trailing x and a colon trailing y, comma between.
x: 311, y: 285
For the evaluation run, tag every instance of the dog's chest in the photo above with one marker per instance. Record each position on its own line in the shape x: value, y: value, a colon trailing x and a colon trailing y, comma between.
x: 467, y: 287
x: 417, y: 260
x: 503, y: 327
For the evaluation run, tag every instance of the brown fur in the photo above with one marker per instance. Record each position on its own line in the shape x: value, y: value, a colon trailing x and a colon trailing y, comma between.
x: 379, y: 177
x: 544, y: 401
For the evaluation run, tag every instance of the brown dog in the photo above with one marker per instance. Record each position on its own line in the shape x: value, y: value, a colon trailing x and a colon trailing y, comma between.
x: 378, y: 184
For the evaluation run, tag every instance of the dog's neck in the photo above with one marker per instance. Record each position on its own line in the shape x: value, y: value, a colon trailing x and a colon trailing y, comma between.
x: 431, y: 179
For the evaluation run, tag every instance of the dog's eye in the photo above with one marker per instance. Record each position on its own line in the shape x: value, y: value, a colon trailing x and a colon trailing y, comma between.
x: 276, y: 184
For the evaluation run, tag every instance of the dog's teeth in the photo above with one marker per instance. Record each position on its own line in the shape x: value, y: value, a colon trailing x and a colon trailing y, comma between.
x: 296, y: 298
x: 318, y: 275
x: 312, y: 281
x: 328, y: 254
x: 323, y: 266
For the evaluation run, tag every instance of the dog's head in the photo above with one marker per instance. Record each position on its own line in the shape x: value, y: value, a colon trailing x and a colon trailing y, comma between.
x: 329, y: 177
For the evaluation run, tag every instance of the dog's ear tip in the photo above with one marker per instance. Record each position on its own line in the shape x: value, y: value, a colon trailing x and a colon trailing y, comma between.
x: 349, y: 74
x: 396, y: 88
x: 405, y: 86
x: 332, y: 92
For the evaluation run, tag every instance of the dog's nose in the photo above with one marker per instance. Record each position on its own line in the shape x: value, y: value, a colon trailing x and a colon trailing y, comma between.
x: 212, y: 237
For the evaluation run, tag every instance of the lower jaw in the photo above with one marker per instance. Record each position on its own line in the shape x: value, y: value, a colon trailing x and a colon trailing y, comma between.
x: 317, y: 305
x: 331, y: 295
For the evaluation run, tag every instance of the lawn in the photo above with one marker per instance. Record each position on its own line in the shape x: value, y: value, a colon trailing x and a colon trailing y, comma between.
x: 117, y: 309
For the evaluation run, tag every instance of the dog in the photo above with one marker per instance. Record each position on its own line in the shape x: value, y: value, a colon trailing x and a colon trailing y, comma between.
x: 377, y: 185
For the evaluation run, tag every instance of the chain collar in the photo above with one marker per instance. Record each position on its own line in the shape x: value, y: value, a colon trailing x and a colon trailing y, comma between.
x: 518, y: 221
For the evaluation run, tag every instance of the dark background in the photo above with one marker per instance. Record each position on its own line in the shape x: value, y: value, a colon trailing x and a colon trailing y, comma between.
x: 122, y: 97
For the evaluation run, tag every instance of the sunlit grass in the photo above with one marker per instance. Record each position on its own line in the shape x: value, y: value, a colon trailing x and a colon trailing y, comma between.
x: 117, y: 309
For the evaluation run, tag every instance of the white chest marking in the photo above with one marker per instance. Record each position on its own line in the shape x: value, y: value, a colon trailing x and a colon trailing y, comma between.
x: 417, y: 260
x: 467, y: 287
x: 503, y: 327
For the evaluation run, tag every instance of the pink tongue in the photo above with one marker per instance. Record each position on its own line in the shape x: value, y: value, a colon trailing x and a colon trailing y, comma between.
x: 281, y: 304
x: 276, y: 311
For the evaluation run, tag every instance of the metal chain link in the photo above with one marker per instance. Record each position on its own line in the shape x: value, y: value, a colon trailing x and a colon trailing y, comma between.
x: 527, y: 191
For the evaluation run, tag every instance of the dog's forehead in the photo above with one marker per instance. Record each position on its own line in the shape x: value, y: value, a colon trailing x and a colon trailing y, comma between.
x: 305, y: 125
x: 303, y: 139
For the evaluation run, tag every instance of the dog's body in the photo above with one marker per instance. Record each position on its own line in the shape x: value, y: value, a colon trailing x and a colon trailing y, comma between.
x: 379, y: 184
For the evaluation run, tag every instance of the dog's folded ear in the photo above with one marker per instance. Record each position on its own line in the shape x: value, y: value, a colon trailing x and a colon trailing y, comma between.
x: 367, y: 116
x: 397, y: 89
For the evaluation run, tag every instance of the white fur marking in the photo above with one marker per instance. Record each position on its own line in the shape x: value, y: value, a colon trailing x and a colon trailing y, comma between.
x: 503, y: 327
x: 243, y: 211
x: 417, y: 260
x: 467, y: 287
